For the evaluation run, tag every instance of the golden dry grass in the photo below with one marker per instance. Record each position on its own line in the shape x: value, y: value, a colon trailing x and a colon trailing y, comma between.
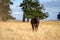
x: 48, y: 30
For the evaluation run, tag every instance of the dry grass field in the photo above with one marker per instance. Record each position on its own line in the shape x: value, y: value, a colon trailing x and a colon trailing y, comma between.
x: 48, y: 30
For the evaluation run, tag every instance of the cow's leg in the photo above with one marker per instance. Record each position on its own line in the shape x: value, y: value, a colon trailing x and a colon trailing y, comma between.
x: 36, y: 27
x: 33, y: 27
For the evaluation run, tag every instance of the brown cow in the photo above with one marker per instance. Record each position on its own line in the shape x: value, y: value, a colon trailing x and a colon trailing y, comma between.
x: 35, y: 23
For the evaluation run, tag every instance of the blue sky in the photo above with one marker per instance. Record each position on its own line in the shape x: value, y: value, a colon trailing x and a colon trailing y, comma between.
x: 51, y: 6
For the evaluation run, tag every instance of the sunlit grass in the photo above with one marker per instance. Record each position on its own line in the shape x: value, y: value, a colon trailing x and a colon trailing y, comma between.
x: 48, y: 30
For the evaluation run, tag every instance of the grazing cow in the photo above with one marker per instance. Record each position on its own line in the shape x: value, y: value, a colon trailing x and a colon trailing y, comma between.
x: 35, y: 23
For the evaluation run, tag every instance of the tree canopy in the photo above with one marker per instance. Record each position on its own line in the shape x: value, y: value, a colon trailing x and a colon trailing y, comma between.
x: 32, y: 8
x: 4, y: 10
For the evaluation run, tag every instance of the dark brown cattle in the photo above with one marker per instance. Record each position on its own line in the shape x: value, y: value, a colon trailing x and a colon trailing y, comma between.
x: 35, y: 23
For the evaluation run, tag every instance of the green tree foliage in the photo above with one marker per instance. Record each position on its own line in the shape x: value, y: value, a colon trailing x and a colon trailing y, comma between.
x: 58, y: 16
x: 24, y: 6
x: 4, y: 10
x: 32, y: 8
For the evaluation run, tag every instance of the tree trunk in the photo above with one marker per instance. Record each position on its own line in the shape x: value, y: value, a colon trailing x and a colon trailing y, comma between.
x: 23, y: 18
x: 27, y: 19
x: 4, y: 18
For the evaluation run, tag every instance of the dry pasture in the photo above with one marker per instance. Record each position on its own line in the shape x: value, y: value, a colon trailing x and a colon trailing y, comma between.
x: 48, y: 30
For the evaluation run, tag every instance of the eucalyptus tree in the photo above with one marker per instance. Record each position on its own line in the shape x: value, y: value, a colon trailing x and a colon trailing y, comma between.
x: 5, y: 10
x: 32, y: 8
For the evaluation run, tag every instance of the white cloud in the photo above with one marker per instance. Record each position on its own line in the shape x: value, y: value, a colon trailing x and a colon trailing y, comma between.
x: 55, y: 9
x: 16, y: 12
x: 17, y: 15
x: 47, y: 0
